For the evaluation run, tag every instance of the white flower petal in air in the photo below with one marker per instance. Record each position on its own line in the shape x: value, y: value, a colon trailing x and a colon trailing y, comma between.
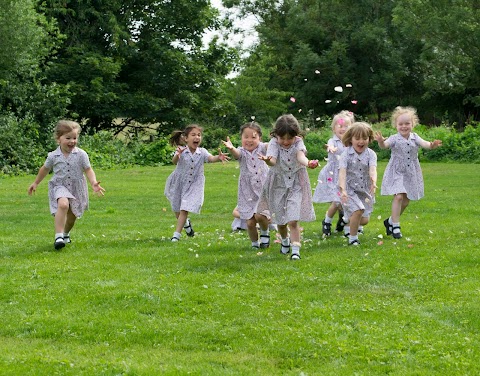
x: 317, y: 71
x: 328, y: 101
x: 305, y: 79
x: 300, y: 110
x: 338, y: 89
x: 348, y: 85
x: 252, y: 117
x: 292, y: 99
x: 318, y: 119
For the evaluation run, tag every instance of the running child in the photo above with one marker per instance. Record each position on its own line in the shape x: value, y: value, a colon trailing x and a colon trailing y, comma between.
x: 185, y: 186
x: 67, y: 189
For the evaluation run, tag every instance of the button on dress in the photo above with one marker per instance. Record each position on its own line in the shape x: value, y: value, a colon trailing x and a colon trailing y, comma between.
x: 68, y: 180
x: 185, y: 186
x: 287, y: 192
x: 403, y: 173
x: 327, y: 185
x: 358, y: 182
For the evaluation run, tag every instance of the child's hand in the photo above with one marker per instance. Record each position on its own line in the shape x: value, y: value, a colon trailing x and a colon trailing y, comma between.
x: 313, y: 163
x: 265, y: 158
x: 181, y: 149
x: 98, y: 189
x: 32, y: 189
x: 222, y: 157
x: 343, y: 197
x: 378, y: 137
x: 228, y: 144
x: 331, y: 149
x: 435, y: 144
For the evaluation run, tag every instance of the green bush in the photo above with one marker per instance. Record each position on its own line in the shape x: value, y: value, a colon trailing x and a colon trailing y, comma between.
x: 20, y: 151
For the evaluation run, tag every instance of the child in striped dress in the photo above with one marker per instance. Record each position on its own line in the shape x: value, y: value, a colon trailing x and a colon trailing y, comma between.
x: 403, y: 176
x: 286, y: 192
x: 327, y: 185
x: 253, y: 173
x: 67, y: 189
x: 186, y: 184
x: 357, y: 178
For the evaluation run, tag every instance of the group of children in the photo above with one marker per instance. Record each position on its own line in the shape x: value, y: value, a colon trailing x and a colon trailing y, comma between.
x: 273, y: 187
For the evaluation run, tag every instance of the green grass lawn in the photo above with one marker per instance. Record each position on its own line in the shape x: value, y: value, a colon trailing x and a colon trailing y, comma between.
x: 123, y: 300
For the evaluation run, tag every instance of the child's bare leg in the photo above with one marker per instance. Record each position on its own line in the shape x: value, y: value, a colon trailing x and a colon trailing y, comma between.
x: 70, y: 222
x: 283, y: 231
x: 61, y: 215
x: 332, y: 209
x: 398, y: 206
x: 263, y: 221
x: 355, y: 222
x: 295, y: 239
x: 252, y: 230
x: 182, y: 216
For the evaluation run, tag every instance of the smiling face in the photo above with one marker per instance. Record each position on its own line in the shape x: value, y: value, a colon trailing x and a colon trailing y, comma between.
x: 68, y: 141
x: 360, y: 143
x: 404, y: 124
x: 193, y: 139
x: 341, y: 127
x: 250, y: 139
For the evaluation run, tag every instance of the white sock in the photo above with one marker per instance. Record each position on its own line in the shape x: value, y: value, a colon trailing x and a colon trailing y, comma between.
x: 390, y: 221
x: 286, y: 242
x: 255, y: 244
x: 176, y: 235
x: 59, y: 235
x: 351, y: 238
x: 328, y: 219
x: 346, y: 230
x: 187, y: 226
x: 295, y: 248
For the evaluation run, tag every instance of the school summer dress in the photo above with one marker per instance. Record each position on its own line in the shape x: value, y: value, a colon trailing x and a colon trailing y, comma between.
x: 186, y: 184
x: 253, y: 173
x: 287, y: 192
x: 68, y: 180
x: 327, y: 185
x: 403, y: 173
x: 358, y: 181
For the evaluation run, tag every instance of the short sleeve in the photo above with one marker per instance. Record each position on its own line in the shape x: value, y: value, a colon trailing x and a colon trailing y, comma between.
x: 343, y: 159
x: 273, y: 150
x: 372, y: 160
x: 84, y: 160
x: 418, y: 140
x: 49, y: 161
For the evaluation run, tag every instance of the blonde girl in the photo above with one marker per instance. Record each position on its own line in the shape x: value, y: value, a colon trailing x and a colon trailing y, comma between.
x: 357, y: 178
x: 253, y: 173
x: 67, y: 189
x: 403, y: 176
x: 185, y: 186
x: 327, y: 185
x: 286, y: 192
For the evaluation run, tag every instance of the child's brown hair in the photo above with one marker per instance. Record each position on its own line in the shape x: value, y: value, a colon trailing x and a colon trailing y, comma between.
x: 286, y: 125
x: 178, y: 137
x: 66, y: 126
x: 358, y: 130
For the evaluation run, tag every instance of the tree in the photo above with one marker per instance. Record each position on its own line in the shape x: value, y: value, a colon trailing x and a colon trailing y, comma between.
x: 140, y: 60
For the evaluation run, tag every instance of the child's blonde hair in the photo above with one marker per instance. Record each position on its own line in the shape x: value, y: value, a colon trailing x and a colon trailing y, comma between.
x: 404, y: 110
x: 178, y: 137
x: 342, y: 117
x: 358, y: 130
x: 66, y: 126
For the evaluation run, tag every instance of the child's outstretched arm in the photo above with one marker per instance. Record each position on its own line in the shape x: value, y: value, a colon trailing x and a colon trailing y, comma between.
x: 431, y: 145
x: 220, y: 157
x: 40, y: 176
x: 303, y: 160
x: 269, y: 160
x: 232, y: 149
x: 90, y: 174
x: 176, y: 155
x: 381, y: 141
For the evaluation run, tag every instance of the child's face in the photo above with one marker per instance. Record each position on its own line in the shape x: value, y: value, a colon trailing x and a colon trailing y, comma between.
x: 285, y: 141
x: 68, y: 141
x: 194, y: 138
x: 250, y: 139
x: 360, y: 144
x: 341, y: 127
x: 404, y: 125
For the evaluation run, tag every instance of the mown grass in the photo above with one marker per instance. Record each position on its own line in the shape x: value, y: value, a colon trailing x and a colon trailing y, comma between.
x: 123, y: 300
